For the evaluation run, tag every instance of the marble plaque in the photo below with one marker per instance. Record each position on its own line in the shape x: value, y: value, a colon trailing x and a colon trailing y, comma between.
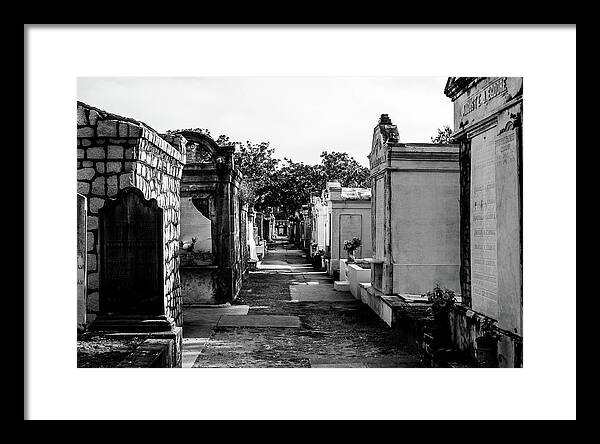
x: 350, y: 226
x: 509, y: 232
x: 484, y: 238
x: 379, y: 218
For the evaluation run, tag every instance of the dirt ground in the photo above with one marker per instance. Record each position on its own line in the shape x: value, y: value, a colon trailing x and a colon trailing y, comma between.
x: 331, y: 333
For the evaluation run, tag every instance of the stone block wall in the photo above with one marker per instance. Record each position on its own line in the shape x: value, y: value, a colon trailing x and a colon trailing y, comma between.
x: 115, y: 152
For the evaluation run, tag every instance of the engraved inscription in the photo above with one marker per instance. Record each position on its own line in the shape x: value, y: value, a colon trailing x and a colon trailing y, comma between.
x: 484, y: 267
x: 484, y: 96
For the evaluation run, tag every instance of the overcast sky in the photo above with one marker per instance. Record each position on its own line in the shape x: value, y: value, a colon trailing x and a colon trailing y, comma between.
x: 299, y: 116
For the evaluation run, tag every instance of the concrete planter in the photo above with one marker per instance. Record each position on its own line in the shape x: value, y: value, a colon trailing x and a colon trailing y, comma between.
x: 356, y: 276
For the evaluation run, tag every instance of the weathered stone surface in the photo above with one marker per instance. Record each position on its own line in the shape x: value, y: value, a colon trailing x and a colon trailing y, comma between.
x: 86, y: 131
x: 93, y: 301
x: 81, y: 118
x: 92, y: 281
x: 107, y: 128
x: 94, y: 204
x: 112, y: 186
x: 85, y: 173
x: 125, y: 180
x: 134, y: 131
x: 115, y: 152
x: 90, y: 241
x: 83, y: 187
x: 93, y: 116
x: 113, y: 167
x: 96, y: 153
x: 98, y: 186
x: 91, y: 262
x: 123, y: 130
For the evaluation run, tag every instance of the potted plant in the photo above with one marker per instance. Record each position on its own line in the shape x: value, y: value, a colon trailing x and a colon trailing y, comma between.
x: 317, y: 259
x: 487, y: 344
x: 442, y: 302
x: 350, y: 246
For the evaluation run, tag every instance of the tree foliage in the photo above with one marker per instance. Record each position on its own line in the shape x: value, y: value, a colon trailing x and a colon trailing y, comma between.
x: 294, y: 183
x: 257, y: 163
x: 444, y: 135
x: 287, y: 185
x: 342, y: 167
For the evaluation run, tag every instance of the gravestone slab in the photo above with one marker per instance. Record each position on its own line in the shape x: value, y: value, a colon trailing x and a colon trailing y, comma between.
x: 81, y: 260
x: 131, y: 255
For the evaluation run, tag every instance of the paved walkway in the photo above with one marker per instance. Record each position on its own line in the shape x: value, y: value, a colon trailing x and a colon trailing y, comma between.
x: 289, y: 315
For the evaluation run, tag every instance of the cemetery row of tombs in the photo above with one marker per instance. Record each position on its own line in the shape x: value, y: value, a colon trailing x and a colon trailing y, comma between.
x: 161, y: 225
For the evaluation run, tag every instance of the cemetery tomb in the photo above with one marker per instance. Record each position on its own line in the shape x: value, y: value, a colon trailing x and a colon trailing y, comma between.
x: 122, y: 165
x: 212, y: 248
x: 415, y: 213
x: 488, y: 128
x: 348, y: 216
x: 130, y: 177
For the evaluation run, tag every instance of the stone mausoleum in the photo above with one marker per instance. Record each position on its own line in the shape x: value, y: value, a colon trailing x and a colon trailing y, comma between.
x: 211, y: 248
x: 414, y: 221
x: 129, y: 178
x: 488, y: 126
x: 415, y: 213
x: 348, y: 215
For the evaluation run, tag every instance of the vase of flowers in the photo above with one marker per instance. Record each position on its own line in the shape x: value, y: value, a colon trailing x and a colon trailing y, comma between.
x: 442, y: 302
x: 350, y: 246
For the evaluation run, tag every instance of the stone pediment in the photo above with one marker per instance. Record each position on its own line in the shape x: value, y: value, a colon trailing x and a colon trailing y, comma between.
x: 385, y: 135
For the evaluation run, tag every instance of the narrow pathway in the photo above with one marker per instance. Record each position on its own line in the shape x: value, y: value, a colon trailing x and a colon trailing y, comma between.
x: 289, y: 315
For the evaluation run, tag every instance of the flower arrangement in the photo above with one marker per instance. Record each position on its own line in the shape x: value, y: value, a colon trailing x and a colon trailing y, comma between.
x: 487, y: 329
x: 353, y: 244
x: 442, y: 300
x: 350, y: 246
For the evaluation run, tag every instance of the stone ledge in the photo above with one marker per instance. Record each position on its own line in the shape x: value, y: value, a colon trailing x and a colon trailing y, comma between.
x: 130, y: 349
x: 341, y: 286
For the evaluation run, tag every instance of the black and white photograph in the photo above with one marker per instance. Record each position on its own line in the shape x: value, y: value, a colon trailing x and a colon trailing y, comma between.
x: 328, y: 234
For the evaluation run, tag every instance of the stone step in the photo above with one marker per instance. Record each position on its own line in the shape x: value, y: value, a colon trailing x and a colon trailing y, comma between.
x: 123, y: 323
x: 341, y: 286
